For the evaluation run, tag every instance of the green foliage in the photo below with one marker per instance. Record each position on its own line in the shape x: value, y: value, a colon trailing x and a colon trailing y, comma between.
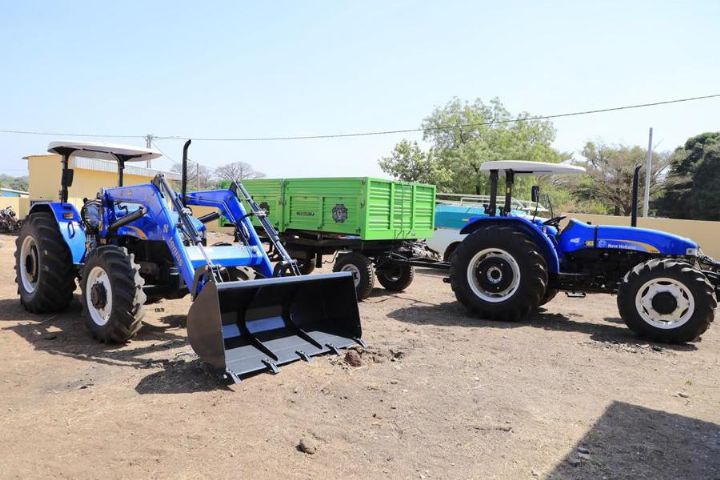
x: 407, y: 162
x: 692, y: 187
x: 15, y: 183
x: 608, y: 182
x: 462, y: 136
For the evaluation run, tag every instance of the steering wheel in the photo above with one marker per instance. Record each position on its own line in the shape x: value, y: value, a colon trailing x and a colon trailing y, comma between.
x: 555, y: 221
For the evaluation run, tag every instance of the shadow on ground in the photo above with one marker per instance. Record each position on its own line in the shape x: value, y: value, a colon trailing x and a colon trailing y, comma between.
x: 634, y: 442
x: 454, y: 314
x: 65, y: 334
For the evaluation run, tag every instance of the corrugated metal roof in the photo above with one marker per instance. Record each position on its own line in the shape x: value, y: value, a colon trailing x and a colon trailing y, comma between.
x: 21, y: 192
x: 98, y: 165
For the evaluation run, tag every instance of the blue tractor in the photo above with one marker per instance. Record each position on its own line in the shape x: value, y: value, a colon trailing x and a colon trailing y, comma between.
x: 132, y: 245
x: 508, y: 265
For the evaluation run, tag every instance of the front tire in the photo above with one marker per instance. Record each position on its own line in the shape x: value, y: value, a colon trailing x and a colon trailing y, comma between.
x: 498, y: 273
x: 112, y: 294
x: 667, y: 301
x: 362, y: 271
x: 44, y: 270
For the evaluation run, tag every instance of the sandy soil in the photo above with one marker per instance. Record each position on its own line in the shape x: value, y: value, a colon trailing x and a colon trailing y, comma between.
x: 570, y: 393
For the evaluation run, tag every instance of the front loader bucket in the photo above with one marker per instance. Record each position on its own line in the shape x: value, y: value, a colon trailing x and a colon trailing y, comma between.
x: 248, y: 326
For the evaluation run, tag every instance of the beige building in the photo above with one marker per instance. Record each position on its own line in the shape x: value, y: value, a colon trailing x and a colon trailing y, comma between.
x: 90, y: 176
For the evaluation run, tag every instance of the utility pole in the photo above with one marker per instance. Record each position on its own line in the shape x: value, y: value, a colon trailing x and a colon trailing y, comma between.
x: 148, y: 144
x: 648, y: 176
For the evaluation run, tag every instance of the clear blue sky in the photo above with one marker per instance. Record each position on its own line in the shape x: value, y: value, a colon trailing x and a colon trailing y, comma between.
x: 294, y: 68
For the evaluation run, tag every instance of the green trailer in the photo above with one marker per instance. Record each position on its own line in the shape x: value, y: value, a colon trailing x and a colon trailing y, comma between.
x: 372, y: 226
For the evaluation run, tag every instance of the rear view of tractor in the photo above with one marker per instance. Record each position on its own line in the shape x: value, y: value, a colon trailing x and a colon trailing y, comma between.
x: 509, y: 265
x: 136, y: 244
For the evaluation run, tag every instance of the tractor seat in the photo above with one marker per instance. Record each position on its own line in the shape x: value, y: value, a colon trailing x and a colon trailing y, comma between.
x: 226, y: 256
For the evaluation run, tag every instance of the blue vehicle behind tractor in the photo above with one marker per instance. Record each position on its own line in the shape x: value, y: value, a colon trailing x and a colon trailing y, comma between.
x: 132, y: 245
x: 510, y: 265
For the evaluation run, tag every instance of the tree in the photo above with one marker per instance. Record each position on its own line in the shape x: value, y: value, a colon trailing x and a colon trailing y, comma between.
x: 14, y: 183
x: 407, y: 162
x: 692, y: 187
x: 237, y: 171
x: 464, y: 135
x: 609, y: 176
x: 199, y: 176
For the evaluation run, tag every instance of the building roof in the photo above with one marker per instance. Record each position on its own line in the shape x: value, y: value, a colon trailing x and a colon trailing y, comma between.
x: 531, y: 168
x: 20, y: 192
x: 130, y: 153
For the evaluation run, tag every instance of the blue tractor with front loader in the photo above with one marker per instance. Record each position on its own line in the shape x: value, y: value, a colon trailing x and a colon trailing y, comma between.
x: 510, y: 265
x: 132, y: 245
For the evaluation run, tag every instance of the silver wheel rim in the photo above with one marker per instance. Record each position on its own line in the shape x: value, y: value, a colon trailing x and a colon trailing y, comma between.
x: 100, y: 316
x: 355, y: 273
x: 474, y: 282
x: 684, y: 300
x: 29, y: 261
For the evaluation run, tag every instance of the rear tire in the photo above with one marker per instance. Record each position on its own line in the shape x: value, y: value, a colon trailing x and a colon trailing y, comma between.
x: 498, y: 273
x: 44, y: 270
x: 550, y: 293
x: 667, y: 301
x: 112, y: 294
x: 395, y: 277
x: 362, y: 270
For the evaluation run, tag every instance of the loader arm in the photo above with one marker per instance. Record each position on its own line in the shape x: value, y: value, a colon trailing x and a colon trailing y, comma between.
x: 226, y: 201
x: 159, y: 214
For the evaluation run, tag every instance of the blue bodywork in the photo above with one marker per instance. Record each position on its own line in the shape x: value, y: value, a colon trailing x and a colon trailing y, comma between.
x: 70, y: 226
x: 160, y: 223
x: 578, y: 236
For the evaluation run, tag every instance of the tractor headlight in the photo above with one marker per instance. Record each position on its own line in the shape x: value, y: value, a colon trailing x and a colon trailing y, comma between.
x: 91, y: 214
x: 692, y: 252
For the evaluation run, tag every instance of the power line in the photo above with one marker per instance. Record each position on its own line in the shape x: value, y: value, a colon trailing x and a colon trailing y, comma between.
x: 377, y: 132
x: 442, y: 127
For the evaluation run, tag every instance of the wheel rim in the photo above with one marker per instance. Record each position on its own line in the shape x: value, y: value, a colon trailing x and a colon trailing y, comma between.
x: 493, y: 275
x: 665, y: 303
x: 98, y: 296
x: 355, y: 273
x: 29, y: 265
x: 391, y: 273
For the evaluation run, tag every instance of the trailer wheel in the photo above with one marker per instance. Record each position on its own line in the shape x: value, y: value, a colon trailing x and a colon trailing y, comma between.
x: 498, y: 273
x: 306, y: 265
x: 667, y: 301
x: 112, y: 294
x: 362, y: 271
x: 44, y: 270
x: 395, y: 277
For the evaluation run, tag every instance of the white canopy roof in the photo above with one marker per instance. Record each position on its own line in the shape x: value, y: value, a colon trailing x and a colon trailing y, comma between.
x: 105, y: 150
x: 531, y: 168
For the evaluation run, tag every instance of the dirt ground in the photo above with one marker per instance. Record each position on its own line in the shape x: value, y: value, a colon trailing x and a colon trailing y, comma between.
x: 569, y: 393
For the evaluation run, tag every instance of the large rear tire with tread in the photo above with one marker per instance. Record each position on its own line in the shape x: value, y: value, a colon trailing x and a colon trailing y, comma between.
x: 112, y: 294
x: 667, y: 300
x: 498, y: 273
x: 44, y: 270
x: 395, y: 277
x: 362, y: 271
x: 550, y: 293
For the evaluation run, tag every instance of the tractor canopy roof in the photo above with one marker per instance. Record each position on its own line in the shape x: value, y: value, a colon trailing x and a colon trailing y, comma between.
x: 129, y: 153
x: 527, y: 167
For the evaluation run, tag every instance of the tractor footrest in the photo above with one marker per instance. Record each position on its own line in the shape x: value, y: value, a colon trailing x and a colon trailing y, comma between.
x: 575, y: 294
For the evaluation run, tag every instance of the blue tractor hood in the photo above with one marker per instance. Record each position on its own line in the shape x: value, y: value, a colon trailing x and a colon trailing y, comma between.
x: 578, y: 235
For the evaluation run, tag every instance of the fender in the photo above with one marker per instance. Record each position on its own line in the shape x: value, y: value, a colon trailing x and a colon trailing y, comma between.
x: 533, y: 231
x: 69, y: 224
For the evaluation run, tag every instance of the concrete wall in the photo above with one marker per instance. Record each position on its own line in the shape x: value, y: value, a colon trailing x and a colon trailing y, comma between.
x: 707, y: 234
